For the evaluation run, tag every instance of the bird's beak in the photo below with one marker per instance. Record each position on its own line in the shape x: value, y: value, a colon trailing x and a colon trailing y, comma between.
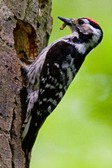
x: 72, y: 23
x: 66, y: 20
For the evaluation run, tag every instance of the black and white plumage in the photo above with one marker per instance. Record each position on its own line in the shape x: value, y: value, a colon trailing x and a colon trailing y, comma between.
x: 49, y: 76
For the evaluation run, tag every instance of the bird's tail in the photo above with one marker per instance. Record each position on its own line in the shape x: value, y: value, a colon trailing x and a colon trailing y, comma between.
x: 30, y: 130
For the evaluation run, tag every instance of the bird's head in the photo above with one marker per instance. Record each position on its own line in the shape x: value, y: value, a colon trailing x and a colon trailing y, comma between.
x: 87, y: 29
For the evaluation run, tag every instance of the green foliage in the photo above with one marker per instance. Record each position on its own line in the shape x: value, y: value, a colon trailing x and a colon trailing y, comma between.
x: 79, y: 133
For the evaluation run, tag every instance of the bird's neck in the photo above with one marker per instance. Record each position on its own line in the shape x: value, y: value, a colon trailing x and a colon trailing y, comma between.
x: 81, y: 43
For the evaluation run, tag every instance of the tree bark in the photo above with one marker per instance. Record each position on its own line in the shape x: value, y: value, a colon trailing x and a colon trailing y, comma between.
x: 25, y: 26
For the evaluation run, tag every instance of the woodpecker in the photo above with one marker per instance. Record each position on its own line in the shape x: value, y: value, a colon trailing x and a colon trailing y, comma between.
x: 49, y: 76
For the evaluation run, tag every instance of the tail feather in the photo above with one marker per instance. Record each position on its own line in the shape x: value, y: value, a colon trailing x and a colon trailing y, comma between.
x: 31, y: 128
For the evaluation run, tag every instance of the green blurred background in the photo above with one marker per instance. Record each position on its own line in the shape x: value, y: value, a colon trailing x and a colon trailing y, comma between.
x: 78, y: 134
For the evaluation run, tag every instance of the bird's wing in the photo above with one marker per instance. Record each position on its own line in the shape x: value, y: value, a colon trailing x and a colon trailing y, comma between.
x: 53, y: 82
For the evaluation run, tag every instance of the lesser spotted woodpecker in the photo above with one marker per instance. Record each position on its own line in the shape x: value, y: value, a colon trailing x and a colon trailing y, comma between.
x: 49, y: 76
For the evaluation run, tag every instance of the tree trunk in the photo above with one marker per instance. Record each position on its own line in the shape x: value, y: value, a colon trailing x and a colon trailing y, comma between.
x: 25, y: 26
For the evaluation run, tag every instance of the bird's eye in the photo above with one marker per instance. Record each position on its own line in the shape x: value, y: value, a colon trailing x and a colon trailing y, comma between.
x: 80, y: 21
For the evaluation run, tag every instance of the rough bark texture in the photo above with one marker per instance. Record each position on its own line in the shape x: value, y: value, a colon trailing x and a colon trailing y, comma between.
x: 25, y: 26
